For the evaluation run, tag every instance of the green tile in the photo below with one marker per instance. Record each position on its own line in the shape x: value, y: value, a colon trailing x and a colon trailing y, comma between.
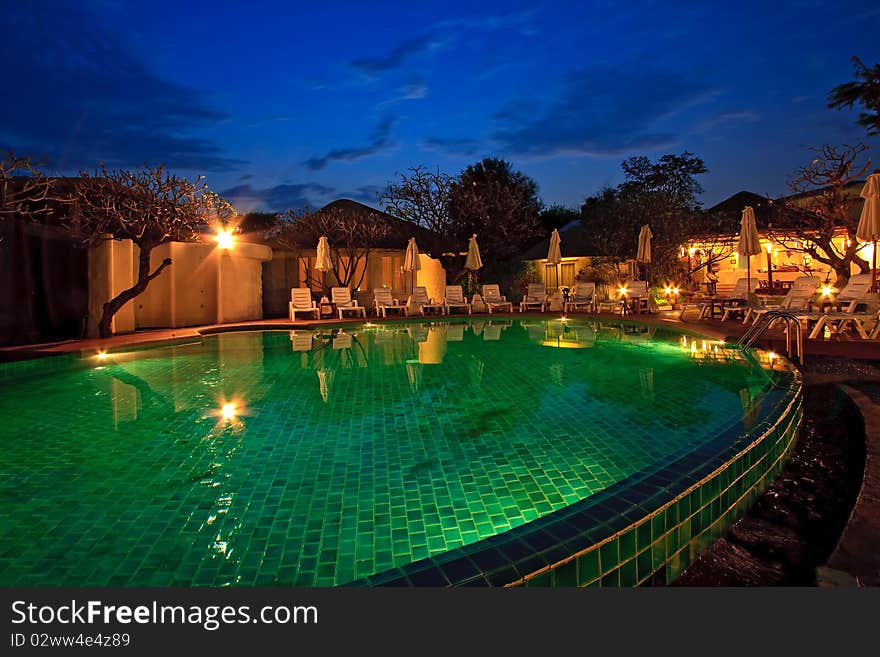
x: 588, y: 566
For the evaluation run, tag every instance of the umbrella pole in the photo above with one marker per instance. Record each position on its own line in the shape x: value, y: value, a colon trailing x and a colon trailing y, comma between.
x: 874, y: 269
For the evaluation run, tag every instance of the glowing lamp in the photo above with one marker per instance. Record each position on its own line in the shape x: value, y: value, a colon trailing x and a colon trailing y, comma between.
x: 675, y: 291
x: 227, y: 412
x: 622, y: 291
x: 769, y: 247
x: 101, y: 355
x: 692, y: 251
x: 667, y: 290
x: 225, y: 239
x: 827, y: 291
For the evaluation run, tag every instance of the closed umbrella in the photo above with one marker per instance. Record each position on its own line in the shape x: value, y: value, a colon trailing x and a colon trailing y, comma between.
x: 869, y: 223
x: 473, y: 262
x: 748, y: 244
x: 643, y: 254
x: 554, y: 254
x: 411, y: 260
x: 322, y: 261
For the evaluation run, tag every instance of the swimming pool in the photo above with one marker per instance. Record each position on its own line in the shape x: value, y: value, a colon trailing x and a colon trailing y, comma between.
x: 483, y: 452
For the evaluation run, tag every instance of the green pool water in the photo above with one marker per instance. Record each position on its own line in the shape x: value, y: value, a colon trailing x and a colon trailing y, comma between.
x: 346, y: 452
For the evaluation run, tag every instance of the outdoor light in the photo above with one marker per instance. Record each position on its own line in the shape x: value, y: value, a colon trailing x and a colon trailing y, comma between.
x: 675, y: 291
x: 563, y: 319
x: 692, y: 251
x: 667, y: 290
x: 622, y: 291
x: 225, y: 239
x: 101, y: 355
x: 827, y: 290
x: 228, y: 411
x: 771, y: 356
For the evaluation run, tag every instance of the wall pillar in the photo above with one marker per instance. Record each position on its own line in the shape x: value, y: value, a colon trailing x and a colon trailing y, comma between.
x: 111, y: 267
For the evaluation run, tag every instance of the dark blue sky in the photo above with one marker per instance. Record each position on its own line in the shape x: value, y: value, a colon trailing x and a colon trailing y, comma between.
x: 280, y: 104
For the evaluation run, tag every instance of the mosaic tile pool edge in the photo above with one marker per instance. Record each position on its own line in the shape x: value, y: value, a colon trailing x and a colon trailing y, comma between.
x: 728, y: 493
x: 643, y: 548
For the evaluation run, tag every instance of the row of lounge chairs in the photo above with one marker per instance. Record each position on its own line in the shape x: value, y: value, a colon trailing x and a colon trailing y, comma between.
x: 583, y: 296
x: 853, y: 308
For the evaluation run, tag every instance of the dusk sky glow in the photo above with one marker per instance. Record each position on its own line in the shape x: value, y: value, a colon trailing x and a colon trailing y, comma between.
x: 281, y: 104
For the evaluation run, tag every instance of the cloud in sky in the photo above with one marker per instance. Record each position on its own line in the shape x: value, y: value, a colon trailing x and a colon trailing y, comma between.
x: 379, y: 141
x: 366, y: 194
x: 279, y: 198
x: 454, y: 145
x: 373, y: 67
x: 81, y: 97
x: 722, y: 118
x: 601, y: 112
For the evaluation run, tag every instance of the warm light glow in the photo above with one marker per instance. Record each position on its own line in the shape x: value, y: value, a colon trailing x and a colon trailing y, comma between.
x: 225, y: 239
x: 675, y: 291
x: 667, y: 290
x: 827, y: 291
x: 563, y: 319
x: 368, y: 325
x: 771, y: 356
x: 622, y: 291
x: 769, y: 247
x: 692, y: 251
x: 228, y: 411
x: 101, y: 355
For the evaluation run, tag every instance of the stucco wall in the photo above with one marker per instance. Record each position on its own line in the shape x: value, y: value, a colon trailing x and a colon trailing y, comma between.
x: 203, y: 285
x: 111, y: 264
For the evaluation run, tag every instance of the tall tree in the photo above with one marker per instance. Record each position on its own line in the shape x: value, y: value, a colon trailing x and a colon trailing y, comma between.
x: 864, y: 90
x: 825, y: 207
x: 420, y: 196
x: 661, y: 193
x: 499, y: 204
x: 25, y: 193
x: 148, y: 206
x: 351, y: 235
x: 557, y: 216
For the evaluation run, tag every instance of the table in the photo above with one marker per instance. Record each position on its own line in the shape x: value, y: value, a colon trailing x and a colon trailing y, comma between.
x: 722, y: 304
x: 825, y: 305
x: 327, y: 309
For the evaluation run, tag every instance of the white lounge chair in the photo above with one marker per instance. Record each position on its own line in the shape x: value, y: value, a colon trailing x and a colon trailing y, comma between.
x: 301, y: 302
x: 494, y: 300
x: 583, y: 294
x: 856, y: 308
x: 383, y: 301
x: 419, y: 299
x: 454, y: 299
x: 536, y: 297
x: 802, y: 291
x: 341, y: 297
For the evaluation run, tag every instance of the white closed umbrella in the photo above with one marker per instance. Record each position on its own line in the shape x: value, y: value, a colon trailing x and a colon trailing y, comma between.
x: 323, y: 263
x: 748, y: 244
x: 869, y: 223
x: 473, y: 262
x: 643, y: 253
x: 554, y: 253
x: 411, y: 260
